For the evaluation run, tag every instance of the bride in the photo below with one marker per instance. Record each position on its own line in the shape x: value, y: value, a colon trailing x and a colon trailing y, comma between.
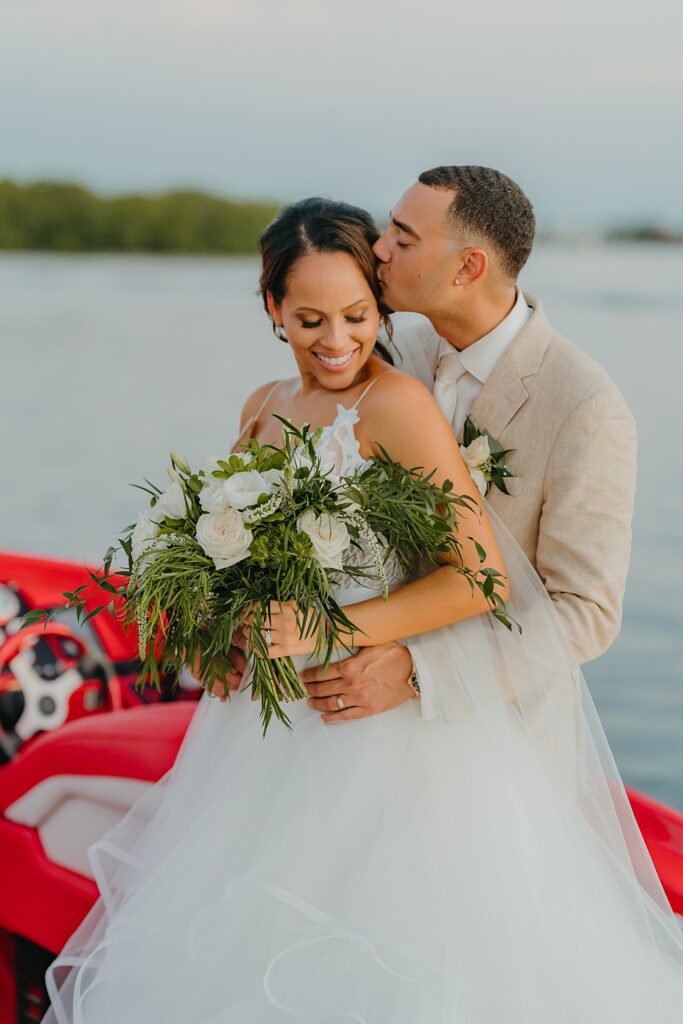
x: 478, y: 867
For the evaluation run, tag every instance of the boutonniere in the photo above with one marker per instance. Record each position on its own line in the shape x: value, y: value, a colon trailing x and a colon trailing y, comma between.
x: 485, y: 458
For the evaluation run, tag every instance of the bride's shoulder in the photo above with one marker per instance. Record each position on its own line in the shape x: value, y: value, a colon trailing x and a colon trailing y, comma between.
x: 257, y: 401
x: 397, y: 396
x: 401, y: 416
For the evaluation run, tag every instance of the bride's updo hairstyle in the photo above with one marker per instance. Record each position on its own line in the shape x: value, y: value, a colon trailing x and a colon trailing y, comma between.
x: 320, y: 225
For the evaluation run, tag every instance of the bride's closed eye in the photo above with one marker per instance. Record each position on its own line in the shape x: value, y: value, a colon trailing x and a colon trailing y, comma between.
x: 317, y: 323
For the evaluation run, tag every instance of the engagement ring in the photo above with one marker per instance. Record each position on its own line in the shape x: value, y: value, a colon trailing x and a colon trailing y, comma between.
x: 340, y: 702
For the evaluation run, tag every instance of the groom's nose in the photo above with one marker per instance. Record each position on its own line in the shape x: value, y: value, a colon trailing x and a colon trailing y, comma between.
x: 381, y: 248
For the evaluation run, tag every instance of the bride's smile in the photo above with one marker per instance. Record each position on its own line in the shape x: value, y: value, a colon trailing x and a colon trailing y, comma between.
x: 336, y: 363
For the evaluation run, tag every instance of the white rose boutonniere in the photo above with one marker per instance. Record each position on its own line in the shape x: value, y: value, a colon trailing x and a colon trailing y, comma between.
x: 485, y: 458
x: 328, y: 535
x: 224, y: 537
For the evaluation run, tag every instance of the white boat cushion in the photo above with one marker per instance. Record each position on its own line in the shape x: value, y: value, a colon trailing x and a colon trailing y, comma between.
x: 70, y: 812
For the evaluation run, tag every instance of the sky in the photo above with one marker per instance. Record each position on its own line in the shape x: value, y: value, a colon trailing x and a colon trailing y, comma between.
x: 581, y: 102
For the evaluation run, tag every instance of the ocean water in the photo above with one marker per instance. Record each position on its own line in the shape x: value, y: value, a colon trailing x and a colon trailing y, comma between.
x: 106, y: 363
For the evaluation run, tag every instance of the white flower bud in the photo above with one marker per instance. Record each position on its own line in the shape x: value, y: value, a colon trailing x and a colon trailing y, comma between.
x: 180, y: 462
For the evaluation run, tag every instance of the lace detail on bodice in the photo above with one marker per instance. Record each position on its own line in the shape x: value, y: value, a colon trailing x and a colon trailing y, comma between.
x: 338, y: 445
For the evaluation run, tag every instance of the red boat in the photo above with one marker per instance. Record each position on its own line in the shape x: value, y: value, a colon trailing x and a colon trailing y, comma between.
x: 79, y: 743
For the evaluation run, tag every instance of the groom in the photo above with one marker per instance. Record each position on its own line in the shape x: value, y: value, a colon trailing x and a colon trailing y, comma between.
x: 456, y: 243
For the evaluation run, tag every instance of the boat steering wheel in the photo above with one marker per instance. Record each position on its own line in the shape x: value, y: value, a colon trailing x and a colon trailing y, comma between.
x: 45, y: 701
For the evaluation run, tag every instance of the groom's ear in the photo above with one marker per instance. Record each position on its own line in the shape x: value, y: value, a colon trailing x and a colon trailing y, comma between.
x: 471, y: 266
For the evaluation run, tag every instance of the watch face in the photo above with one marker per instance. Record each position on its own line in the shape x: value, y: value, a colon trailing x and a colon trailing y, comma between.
x: 9, y: 605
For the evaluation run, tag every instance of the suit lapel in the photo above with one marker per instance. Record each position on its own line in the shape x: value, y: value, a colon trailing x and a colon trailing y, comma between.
x: 505, y: 392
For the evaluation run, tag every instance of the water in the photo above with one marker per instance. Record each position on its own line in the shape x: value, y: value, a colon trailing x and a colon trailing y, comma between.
x: 106, y: 363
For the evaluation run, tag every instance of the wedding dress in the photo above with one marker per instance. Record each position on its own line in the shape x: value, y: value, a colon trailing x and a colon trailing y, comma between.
x: 475, y: 862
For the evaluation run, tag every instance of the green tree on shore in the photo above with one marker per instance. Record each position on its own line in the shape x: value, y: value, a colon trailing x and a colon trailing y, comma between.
x: 62, y: 217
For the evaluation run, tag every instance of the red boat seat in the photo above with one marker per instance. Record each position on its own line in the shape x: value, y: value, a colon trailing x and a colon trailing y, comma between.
x: 662, y: 829
x: 42, y: 900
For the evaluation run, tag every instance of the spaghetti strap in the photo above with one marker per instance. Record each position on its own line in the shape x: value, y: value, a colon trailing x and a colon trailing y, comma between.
x: 371, y: 384
x: 254, y: 419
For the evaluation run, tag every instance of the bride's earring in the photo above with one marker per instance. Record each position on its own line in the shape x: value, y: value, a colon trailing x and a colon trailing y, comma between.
x: 279, y: 333
x: 457, y: 281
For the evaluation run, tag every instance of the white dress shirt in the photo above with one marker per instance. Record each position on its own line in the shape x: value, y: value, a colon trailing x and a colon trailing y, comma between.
x: 478, y: 361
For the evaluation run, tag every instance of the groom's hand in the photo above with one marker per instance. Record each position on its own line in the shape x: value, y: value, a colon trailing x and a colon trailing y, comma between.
x: 374, y: 680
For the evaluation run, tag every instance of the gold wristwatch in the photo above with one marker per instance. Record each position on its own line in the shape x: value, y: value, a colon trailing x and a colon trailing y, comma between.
x: 415, y: 683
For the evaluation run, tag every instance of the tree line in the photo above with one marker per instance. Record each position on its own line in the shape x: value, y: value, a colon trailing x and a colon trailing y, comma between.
x: 64, y: 217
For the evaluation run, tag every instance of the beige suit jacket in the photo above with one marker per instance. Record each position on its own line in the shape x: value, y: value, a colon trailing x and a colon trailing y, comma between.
x: 574, y: 466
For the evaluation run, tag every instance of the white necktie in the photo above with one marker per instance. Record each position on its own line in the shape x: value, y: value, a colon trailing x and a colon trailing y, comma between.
x: 448, y: 373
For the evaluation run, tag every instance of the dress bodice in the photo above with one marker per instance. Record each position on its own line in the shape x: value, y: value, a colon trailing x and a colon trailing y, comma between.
x: 338, y: 445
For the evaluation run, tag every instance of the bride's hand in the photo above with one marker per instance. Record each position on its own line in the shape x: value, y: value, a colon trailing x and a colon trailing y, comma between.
x: 232, y: 680
x: 283, y: 630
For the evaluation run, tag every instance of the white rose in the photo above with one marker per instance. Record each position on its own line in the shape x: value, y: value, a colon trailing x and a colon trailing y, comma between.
x: 170, y: 504
x: 477, y: 452
x: 243, y: 489
x: 224, y: 537
x: 212, y: 496
x: 273, y: 476
x: 329, y: 537
x: 480, y: 480
x: 144, y: 533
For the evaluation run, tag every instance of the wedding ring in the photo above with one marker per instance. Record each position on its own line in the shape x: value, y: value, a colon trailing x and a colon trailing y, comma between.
x: 269, y: 639
x: 340, y: 702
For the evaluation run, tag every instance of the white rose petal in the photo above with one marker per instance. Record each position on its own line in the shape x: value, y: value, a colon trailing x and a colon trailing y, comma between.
x: 273, y: 476
x: 211, y: 465
x: 480, y: 480
x: 170, y: 504
x: 243, y: 489
x: 329, y: 537
x: 476, y: 453
x: 224, y: 537
x: 212, y: 496
x: 146, y: 531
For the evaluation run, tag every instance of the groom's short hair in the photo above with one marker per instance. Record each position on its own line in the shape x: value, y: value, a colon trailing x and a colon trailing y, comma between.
x: 488, y: 206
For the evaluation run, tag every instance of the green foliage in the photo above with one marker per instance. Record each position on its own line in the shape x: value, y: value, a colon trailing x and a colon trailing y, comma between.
x: 61, y: 217
x: 187, y: 611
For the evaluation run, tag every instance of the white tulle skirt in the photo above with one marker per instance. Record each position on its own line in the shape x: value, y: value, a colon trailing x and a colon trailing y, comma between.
x: 476, y: 866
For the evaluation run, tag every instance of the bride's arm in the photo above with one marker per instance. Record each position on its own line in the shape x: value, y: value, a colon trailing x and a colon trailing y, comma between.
x: 404, y: 418
x: 401, y: 415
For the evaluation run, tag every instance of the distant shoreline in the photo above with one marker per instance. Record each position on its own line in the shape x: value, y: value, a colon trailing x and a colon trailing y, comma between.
x: 67, y: 218
x: 63, y: 217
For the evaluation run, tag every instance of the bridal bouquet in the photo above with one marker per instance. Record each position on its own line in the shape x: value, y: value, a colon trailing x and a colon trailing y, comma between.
x: 272, y: 523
